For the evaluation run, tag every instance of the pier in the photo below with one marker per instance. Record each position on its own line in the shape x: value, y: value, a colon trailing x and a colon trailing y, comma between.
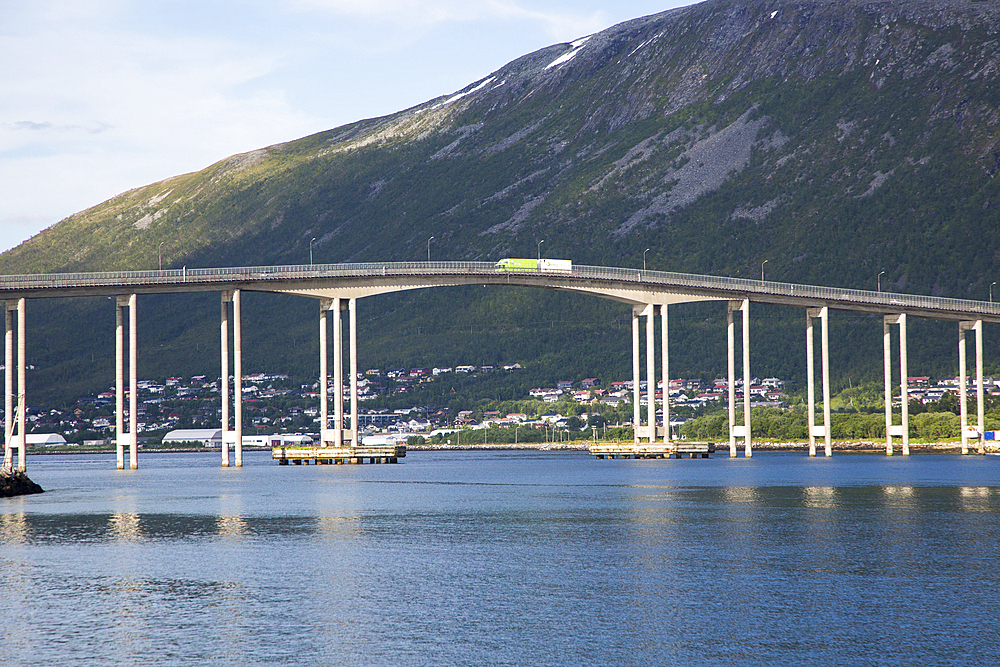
x: 652, y: 450
x: 338, y: 455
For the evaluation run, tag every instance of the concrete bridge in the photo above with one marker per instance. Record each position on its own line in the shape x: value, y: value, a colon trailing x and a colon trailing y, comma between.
x: 337, y: 287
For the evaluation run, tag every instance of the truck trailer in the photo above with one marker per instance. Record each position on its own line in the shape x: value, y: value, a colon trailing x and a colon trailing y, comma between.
x: 536, y: 265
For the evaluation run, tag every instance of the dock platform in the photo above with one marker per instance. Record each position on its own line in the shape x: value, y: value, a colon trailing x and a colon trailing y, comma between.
x: 652, y: 450
x: 338, y: 455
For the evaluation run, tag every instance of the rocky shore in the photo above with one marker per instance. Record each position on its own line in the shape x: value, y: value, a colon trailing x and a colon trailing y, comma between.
x: 16, y: 483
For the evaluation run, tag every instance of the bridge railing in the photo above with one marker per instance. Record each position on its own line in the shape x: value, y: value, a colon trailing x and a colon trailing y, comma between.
x: 736, y: 286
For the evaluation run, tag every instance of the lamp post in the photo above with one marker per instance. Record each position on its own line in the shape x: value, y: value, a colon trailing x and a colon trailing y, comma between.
x: 429, y: 248
x: 991, y: 291
x: 159, y: 255
x: 644, y: 259
x: 540, y: 249
x: 878, y: 281
x: 311, y: 250
x: 762, y: 270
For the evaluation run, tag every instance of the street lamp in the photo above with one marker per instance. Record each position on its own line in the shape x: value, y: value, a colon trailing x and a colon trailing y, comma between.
x: 159, y: 254
x: 540, y: 249
x: 878, y: 281
x: 762, y: 270
x: 311, y: 251
x: 644, y: 259
x: 991, y: 291
x: 429, y: 248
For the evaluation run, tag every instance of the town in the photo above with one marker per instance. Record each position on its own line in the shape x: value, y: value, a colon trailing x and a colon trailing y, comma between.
x: 187, y: 410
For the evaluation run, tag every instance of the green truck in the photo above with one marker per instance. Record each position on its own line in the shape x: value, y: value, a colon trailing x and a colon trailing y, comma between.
x: 537, y: 265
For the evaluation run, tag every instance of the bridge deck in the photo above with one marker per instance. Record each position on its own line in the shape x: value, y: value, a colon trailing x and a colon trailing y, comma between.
x: 359, y: 280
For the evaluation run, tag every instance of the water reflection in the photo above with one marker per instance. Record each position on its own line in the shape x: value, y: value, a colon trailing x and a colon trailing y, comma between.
x: 125, y: 527
x: 340, y: 527
x: 13, y: 528
x: 820, y: 496
x: 231, y: 526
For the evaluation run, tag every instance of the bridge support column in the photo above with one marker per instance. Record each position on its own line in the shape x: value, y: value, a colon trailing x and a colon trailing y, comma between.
x: 353, y: 309
x: 650, y: 314
x: 234, y: 436
x: 238, y: 377
x: 734, y: 430
x: 224, y: 380
x: 963, y: 327
x: 903, y: 429
x: 14, y: 412
x: 823, y: 315
x: 338, y: 372
x: 121, y: 437
x: 649, y: 429
x: 324, y: 398
x: 664, y: 368
x: 635, y: 373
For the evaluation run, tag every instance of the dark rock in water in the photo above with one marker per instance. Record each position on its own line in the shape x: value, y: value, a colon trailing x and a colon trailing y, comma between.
x: 16, y: 483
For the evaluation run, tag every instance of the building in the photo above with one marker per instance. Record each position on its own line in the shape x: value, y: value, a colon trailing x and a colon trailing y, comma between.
x: 206, y: 437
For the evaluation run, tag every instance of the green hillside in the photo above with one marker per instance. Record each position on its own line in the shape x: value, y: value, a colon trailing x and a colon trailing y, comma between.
x: 834, y: 139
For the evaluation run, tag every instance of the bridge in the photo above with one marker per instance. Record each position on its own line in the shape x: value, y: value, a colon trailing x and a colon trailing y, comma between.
x: 337, y: 287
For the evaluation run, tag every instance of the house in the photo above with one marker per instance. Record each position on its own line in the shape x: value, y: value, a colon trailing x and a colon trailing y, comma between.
x: 590, y: 383
x: 564, y: 385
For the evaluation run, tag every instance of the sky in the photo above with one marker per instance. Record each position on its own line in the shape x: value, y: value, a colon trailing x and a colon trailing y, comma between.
x: 101, y: 96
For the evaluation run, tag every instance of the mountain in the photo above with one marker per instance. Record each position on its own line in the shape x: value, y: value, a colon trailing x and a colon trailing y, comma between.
x: 834, y: 139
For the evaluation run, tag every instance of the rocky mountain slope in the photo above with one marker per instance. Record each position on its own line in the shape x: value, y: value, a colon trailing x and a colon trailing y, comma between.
x: 833, y: 138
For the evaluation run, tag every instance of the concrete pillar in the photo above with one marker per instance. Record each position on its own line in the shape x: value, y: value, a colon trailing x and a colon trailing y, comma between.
x: 963, y: 327
x: 238, y: 377
x: 887, y: 364
x: 904, y: 385
x: 635, y: 375
x: 744, y: 430
x: 14, y: 403
x: 324, y: 398
x: 903, y: 430
x: 650, y: 373
x: 353, y: 309
x: 224, y: 384
x: 963, y: 406
x: 827, y: 429
x: 811, y: 380
x: 748, y: 448
x: 22, y: 406
x: 664, y: 367
x: 133, y: 380
x: 731, y: 378
x: 8, y: 380
x: 980, y: 398
x: 338, y: 372
x: 823, y: 315
x: 120, y: 304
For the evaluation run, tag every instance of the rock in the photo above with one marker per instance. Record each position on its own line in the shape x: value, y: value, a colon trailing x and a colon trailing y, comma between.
x: 16, y: 483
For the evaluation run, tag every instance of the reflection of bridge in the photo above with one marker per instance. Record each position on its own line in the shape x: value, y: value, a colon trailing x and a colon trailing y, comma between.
x: 339, y: 286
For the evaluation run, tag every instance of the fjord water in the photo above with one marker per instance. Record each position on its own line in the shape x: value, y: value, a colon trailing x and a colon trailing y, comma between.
x: 505, y: 558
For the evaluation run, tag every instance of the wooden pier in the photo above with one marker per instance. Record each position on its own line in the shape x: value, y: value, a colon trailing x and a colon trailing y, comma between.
x: 654, y: 450
x: 338, y: 455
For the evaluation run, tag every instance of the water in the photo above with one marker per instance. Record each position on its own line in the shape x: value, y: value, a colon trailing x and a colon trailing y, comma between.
x: 503, y: 558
